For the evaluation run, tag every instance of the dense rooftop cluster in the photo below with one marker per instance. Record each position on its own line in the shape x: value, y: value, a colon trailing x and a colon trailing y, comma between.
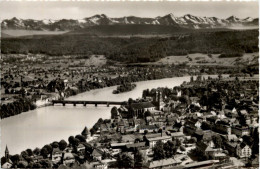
x: 202, y: 123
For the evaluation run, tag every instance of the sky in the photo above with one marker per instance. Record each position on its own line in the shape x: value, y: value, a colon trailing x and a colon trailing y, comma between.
x: 80, y: 9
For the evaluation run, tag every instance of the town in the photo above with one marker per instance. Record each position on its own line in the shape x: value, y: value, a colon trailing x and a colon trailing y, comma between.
x: 52, y: 78
x: 204, y: 123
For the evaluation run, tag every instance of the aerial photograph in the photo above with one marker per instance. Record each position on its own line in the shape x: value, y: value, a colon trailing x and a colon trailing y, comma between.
x: 129, y: 84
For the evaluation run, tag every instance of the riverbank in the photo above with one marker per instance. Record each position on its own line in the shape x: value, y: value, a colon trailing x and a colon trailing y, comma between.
x: 43, y: 125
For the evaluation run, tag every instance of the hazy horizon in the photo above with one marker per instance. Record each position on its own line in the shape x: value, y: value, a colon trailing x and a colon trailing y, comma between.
x: 78, y: 9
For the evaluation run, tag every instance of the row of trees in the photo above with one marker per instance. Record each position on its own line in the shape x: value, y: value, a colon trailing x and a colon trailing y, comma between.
x: 22, y: 104
x: 26, y: 158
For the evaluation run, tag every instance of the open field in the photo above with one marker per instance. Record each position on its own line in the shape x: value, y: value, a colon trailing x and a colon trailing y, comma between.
x: 204, y: 59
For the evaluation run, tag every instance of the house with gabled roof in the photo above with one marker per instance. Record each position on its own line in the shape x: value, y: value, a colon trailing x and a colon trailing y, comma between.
x: 68, y: 158
x: 56, y: 155
x: 243, y: 150
x: 97, y: 154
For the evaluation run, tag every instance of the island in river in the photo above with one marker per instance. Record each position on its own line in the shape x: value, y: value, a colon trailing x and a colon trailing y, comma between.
x: 126, y: 87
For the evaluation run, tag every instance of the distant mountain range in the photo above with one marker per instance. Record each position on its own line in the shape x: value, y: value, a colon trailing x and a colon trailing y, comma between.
x: 186, y: 21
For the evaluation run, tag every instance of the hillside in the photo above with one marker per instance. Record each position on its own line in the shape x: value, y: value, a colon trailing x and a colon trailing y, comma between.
x: 137, y: 49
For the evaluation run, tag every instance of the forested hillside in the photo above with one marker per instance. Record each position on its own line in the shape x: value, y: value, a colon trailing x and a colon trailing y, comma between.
x: 137, y: 49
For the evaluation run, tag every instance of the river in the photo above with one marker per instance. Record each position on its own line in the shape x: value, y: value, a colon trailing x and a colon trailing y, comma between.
x: 47, y: 124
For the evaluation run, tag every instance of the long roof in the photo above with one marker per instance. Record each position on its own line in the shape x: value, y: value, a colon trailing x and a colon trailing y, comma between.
x: 142, y: 105
x: 162, y: 163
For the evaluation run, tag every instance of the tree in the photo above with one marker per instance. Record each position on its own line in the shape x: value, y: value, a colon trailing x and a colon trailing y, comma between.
x: 124, y: 160
x: 24, y: 154
x: 15, y: 158
x: 48, y: 148
x: 62, y: 145
x: 71, y: 140
x: 76, y: 142
x: 169, y: 149
x: 81, y: 138
x: 158, y: 151
x: 44, y: 152
x: 139, y: 159
x: 22, y: 164
x: 36, y: 151
x: 29, y: 152
x: 55, y: 144
x: 114, y: 112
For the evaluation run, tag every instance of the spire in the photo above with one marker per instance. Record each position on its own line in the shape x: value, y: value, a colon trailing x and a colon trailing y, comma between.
x: 6, y: 149
x: 7, y: 154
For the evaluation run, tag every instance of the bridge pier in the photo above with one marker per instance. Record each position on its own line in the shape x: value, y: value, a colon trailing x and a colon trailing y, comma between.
x: 107, y: 104
x: 74, y: 104
x: 95, y: 104
x: 63, y: 104
x: 84, y: 104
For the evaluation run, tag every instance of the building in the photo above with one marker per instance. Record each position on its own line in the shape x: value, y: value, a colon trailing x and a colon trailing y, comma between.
x: 8, y: 163
x: 56, y: 155
x: 240, y: 130
x: 158, y: 101
x: 97, y: 154
x: 148, y: 128
x: 164, y: 163
x: 244, y: 151
x: 153, y: 141
x: 81, y: 147
x: 68, y: 158
x: 140, y: 108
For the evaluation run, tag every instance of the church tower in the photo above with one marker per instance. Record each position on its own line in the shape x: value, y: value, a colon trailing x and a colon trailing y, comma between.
x: 6, y: 154
x: 158, y: 101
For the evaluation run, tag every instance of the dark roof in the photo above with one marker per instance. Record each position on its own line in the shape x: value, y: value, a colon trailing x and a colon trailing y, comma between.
x: 142, y: 105
x: 135, y: 145
x: 201, y: 146
x: 149, y: 127
x: 97, y: 152
x: 85, y: 131
x: 242, y: 145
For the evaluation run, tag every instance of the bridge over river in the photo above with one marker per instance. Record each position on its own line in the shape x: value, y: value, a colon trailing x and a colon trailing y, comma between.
x: 84, y: 102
